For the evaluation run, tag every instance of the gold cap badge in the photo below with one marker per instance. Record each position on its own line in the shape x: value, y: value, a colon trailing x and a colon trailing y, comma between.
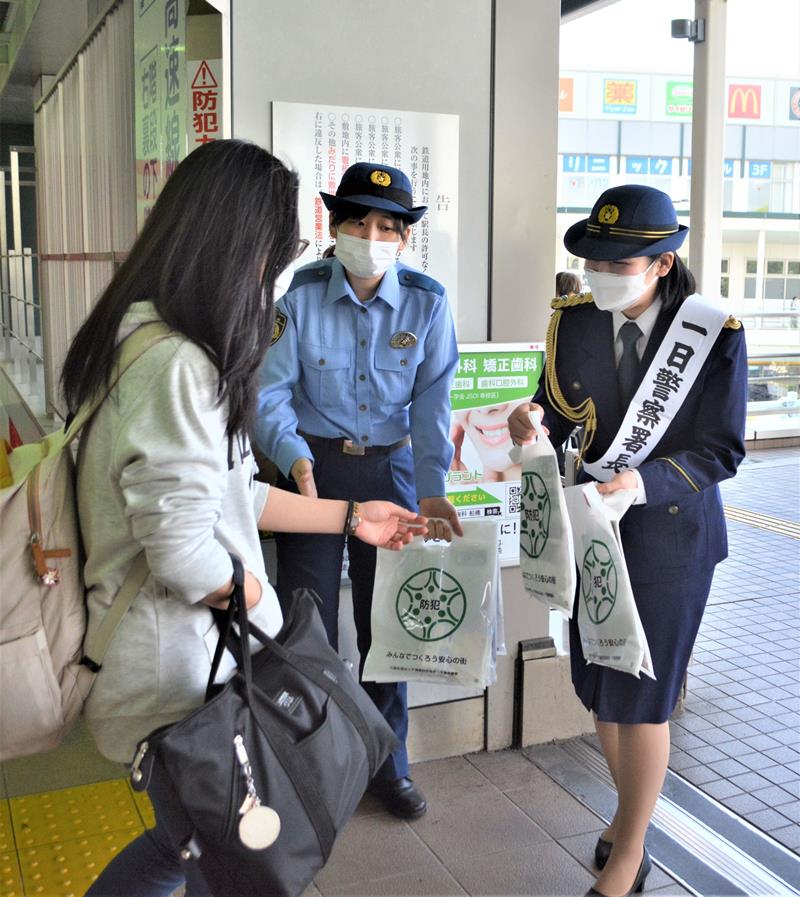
x: 608, y: 214
x: 381, y: 178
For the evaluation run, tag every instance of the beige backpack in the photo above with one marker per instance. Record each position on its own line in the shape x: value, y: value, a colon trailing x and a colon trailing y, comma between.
x: 46, y: 671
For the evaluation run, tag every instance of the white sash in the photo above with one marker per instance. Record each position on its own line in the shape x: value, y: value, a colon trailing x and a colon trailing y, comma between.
x: 681, y: 355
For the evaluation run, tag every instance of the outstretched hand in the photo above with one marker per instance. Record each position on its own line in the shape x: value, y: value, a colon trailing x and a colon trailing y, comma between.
x: 387, y: 525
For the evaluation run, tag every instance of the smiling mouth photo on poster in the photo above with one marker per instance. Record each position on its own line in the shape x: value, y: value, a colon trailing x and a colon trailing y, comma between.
x: 485, y: 449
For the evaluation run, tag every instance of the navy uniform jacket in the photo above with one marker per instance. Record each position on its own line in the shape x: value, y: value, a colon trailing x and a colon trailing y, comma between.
x: 681, y: 528
x: 335, y: 371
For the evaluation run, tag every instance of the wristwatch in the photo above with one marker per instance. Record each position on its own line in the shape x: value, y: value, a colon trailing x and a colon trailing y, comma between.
x: 354, y: 519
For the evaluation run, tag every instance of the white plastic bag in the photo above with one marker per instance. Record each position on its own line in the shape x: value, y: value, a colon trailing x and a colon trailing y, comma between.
x: 608, y: 621
x: 434, y: 610
x: 546, y: 556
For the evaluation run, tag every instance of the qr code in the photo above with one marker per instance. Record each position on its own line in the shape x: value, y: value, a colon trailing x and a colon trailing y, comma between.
x: 514, y: 496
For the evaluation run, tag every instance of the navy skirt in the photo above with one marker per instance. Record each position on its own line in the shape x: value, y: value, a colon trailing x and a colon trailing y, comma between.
x: 671, y: 611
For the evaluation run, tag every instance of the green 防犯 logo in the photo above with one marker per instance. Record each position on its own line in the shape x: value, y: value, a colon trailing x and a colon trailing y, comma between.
x: 598, y: 582
x: 431, y: 605
x: 534, y: 516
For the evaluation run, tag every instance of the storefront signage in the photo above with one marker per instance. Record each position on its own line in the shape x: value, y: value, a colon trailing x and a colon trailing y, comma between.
x: 619, y: 97
x: 744, y: 101
x: 566, y: 94
x: 680, y: 96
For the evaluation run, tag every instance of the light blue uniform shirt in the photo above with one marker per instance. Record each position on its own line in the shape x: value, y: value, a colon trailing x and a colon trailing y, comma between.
x: 333, y: 372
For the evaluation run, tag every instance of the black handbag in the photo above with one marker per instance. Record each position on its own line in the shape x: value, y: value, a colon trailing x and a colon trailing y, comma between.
x: 293, y: 731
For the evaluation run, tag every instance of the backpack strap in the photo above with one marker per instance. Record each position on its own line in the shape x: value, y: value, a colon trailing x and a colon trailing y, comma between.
x: 132, y: 348
x: 94, y: 649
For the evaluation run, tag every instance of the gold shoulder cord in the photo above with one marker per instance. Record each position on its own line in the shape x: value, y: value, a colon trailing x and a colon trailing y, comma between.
x: 584, y: 413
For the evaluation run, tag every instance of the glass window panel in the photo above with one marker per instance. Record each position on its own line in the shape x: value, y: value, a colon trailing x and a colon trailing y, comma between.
x: 793, y: 288
x: 644, y: 138
x: 793, y: 268
x: 578, y: 135
x: 774, y: 288
x: 749, y: 288
x: 751, y: 266
x: 733, y: 141
x: 774, y: 266
x: 723, y: 287
x: 724, y: 266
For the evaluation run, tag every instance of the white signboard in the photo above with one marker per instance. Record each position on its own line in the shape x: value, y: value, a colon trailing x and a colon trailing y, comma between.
x: 320, y: 142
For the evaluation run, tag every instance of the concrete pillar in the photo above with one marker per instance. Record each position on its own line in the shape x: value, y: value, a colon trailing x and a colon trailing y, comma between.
x: 525, y: 95
x: 523, y: 249
x: 708, y: 132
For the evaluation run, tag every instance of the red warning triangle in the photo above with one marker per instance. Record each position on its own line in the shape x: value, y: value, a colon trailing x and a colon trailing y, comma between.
x: 14, y: 439
x: 204, y: 77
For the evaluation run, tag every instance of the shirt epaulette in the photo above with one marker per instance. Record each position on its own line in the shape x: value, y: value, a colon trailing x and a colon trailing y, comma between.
x: 732, y: 323
x: 316, y: 272
x: 410, y: 278
x: 571, y: 300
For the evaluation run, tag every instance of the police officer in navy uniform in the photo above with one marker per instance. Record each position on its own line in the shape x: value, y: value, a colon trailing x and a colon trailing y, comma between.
x: 355, y: 402
x: 600, y: 346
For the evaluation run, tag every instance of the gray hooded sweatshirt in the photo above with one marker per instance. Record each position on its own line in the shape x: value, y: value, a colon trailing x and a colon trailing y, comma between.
x: 157, y: 472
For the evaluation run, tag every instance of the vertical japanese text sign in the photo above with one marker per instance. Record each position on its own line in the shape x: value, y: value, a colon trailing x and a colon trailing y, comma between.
x: 204, y: 77
x: 160, y: 91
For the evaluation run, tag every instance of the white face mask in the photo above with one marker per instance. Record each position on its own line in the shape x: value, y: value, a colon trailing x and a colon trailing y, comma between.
x: 365, y: 258
x: 616, y: 292
x: 282, y: 283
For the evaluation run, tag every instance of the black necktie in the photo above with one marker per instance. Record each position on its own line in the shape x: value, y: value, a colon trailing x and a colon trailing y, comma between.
x: 628, y: 370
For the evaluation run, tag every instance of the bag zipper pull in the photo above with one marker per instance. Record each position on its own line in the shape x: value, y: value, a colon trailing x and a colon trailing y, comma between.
x: 136, y: 773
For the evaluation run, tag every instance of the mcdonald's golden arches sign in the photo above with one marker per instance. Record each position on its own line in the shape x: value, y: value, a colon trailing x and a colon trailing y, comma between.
x: 744, y: 101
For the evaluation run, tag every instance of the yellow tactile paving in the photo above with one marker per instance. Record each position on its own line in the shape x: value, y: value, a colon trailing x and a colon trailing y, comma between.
x: 6, y: 833
x: 144, y: 807
x: 10, y: 882
x: 72, y: 813
x: 67, y: 868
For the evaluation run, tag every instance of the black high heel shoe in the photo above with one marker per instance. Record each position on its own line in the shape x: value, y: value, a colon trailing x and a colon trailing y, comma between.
x: 602, y: 851
x: 638, y: 883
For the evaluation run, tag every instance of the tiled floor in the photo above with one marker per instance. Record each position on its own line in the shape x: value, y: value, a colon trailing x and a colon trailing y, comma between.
x: 738, y: 739
x: 497, y: 823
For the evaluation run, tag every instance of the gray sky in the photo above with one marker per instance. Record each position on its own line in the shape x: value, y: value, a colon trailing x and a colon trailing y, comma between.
x: 634, y: 35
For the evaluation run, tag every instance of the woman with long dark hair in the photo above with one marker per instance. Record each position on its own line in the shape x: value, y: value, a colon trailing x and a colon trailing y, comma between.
x: 165, y: 468
x: 657, y: 376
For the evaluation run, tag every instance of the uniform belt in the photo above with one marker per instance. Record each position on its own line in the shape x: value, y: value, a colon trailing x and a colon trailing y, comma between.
x: 348, y: 447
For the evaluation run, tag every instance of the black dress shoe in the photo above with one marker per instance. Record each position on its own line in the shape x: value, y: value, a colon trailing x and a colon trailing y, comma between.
x: 638, y: 883
x: 602, y: 851
x: 401, y: 797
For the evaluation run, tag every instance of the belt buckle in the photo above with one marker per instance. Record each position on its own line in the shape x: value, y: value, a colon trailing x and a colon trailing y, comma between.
x: 351, y: 448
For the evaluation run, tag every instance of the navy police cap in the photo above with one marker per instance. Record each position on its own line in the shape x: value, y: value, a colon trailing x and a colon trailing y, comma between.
x: 626, y: 222
x: 376, y: 187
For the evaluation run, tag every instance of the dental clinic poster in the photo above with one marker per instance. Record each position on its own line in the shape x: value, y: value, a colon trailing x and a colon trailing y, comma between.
x: 320, y: 142
x: 490, y: 381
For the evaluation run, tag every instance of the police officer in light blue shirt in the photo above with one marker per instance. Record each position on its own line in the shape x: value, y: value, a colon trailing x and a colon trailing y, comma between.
x: 355, y: 402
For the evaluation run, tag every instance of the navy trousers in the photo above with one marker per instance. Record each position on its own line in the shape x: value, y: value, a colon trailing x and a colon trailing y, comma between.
x: 314, y: 561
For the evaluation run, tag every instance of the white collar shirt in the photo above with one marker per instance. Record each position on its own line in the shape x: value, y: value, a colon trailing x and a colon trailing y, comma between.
x: 646, y: 322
